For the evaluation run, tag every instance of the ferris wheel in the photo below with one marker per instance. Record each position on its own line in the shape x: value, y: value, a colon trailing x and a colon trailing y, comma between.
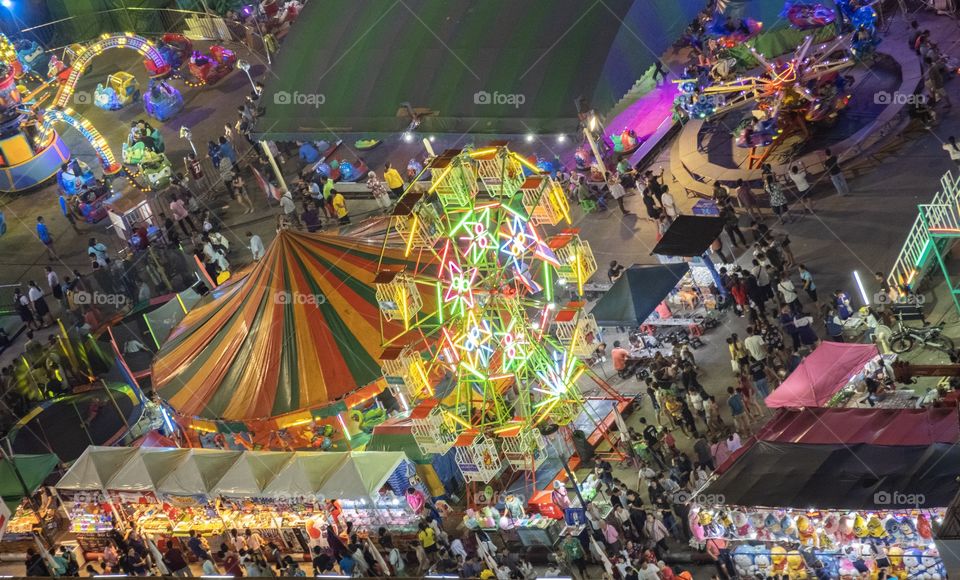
x: 504, y: 358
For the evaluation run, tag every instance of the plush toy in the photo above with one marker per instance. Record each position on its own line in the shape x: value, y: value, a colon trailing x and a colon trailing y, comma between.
x: 773, y: 525
x: 740, y: 523
x: 932, y: 566
x: 743, y: 559
x: 845, y: 533
x: 912, y: 562
x: 923, y: 527
x: 906, y: 528
x: 860, y: 527
x: 796, y: 567
x: 895, y: 555
x: 876, y: 530
x: 789, y: 527
x: 806, y: 531
x: 778, y: 559
x: 762, y: 565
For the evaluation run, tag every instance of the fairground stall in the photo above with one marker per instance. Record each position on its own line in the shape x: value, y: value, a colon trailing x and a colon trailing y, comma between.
x: 834, y: 374
x: 83, y: 494
x: 845, y: 491
x: 28, y: 511
x: 289, y: 498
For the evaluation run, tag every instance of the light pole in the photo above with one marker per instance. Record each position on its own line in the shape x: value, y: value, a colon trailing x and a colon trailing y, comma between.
x: 245, y: 67
x: 185, y: 133
x: 588, y: 130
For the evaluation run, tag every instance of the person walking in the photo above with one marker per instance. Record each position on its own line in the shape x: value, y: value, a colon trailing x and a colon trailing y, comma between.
x: 731, y: 223
x: 789, y: 293
x: 800, y: 181
x: 737, y: 409
x: 778, y: 201
x: 748, y: 201
x: 668, y: 204
x: 256, y: 246
x: 393, y: 179
x: 617, y: 192
x: 39, y: 304
x: 340, y: 208
x: 289, y: 209
x: 379, y: 191
x: 180, y: 215
x: 240, y: 193
x: 836, y: 174
x: 43, y: 234
x: 808, y: 286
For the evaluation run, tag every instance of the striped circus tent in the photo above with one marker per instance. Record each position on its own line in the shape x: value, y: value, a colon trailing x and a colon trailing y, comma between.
x: 300, y: 331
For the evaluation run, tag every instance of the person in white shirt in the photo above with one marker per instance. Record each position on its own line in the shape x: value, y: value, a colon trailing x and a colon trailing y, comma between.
x: 755, y: 345
x: 789, y: 293
x: 733, y: 442
x: 288, y: 207
x: 799, y: 178
x: 256, y: 246
x: 669, y: 205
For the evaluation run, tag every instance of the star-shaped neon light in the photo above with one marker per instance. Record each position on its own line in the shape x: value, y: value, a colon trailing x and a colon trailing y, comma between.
x: 460, y: 283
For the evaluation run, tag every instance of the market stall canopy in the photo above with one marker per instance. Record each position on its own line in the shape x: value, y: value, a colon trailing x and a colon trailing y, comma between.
x: 251, y: 473
x: 305, y: 474
x: 362, y: 476
x: 303, y: 330
x: 199, y: 473
x: 787, y: 475
x: 95, y: 467
x: 33, y: 469
x: 146, y: 468
x: 824, y: 372
x: 831, y: 426
x: 636, y: 294
x: 826, y: 426
x: 689, y: 236
x: 462, y: 66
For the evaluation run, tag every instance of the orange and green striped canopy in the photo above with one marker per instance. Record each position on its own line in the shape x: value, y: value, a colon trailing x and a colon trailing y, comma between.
x: 301, y: 330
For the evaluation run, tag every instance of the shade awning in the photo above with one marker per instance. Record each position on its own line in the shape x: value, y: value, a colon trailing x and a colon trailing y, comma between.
x: 785, y: 475
x: 95, y: 467
x: 362, y: 476
x: 199, y: 473
x: 145, y: 470
x: 33, y: 470
x: 251, y: 473
x: 821, y: 374
x: 636, y: 294
x: 305, y: 474
x: 689, y: 236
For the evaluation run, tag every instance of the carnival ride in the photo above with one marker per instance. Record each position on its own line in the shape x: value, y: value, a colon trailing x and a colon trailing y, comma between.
x: 509, y: 357
x: 31, y: 151
x: 210, y: 68
x: 785, y: 95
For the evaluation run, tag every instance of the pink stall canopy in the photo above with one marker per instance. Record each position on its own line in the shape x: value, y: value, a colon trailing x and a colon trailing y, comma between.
x: 824, y: 372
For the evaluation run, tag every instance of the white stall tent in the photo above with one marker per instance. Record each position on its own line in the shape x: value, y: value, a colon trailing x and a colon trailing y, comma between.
x: 362, y: 476
x: 95, y: 467
x: 251, y: 473
x: 199, y: 472
x: 145, y: 470
x: 304, y: 474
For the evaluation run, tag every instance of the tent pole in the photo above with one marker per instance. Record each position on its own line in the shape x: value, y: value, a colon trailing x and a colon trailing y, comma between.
x: 708, y: 263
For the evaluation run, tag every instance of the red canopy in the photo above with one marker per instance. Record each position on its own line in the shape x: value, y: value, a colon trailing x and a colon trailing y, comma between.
x: 826, y: 426
x: 824, y: 372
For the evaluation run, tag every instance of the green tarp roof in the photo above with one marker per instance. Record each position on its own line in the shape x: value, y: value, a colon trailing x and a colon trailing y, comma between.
x: 636, y: 294
x: 34, y: 469
x: 349, y: 65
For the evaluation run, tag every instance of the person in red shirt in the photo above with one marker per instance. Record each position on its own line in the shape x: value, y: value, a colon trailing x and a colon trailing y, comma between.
x: 619, y: 355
